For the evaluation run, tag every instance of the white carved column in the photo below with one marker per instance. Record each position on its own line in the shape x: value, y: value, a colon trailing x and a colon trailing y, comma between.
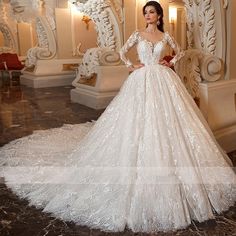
x: 203, y: 68
x: 44, y: 67
x: 96, y: 83
x: 46, y: 41
x: 8, y: 29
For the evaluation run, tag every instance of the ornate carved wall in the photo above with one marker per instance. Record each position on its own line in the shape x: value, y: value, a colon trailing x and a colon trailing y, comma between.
x: 38, y: 12
x: 9, y: 40
x: 205, y: 58
x: 108, y: 17
x: 8, y: 29
x: 206, y: 25
x: 46, y: 48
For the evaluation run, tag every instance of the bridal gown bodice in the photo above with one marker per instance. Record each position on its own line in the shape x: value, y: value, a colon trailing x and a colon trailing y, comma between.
x: 150, y: 53
x: 149, y: 163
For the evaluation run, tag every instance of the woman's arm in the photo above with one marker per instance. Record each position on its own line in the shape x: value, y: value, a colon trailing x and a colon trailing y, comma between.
x: 133, y: 39
x: 175, y: 46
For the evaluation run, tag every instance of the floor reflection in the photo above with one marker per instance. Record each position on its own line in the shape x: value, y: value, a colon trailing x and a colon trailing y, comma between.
x: 23, y: 110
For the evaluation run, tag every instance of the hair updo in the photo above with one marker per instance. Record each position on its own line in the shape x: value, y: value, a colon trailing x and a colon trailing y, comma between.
x: 159, y: 11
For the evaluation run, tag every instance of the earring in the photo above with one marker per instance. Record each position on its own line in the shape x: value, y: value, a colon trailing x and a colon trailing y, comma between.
x: 158, y: 22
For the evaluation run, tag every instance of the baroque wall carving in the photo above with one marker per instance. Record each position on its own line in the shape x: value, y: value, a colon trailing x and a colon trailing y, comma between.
x: 8, y: 29
x: 93, y: 58
x: 197, y: 66
x: 25, y: 11
x: 9, y: 41
x: 206, y: 25
x: 41, y: 12
x: 2, y: 12
x: 201, y: 23
x: 118, y: 6
x: 107, y: 16
x: 100, y: 12
x: 46, y: 48
x: 204, y: 60
x: 49, y: 7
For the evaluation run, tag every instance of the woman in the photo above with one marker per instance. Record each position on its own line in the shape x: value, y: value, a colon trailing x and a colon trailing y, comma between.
x: 149, y: 163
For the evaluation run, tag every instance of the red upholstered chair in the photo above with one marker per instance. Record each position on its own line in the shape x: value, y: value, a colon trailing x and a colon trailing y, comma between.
x: 168, y: 59
x: 10, y: 62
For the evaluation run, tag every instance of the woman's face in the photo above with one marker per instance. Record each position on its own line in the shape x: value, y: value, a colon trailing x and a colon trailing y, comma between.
x: 150, y: 15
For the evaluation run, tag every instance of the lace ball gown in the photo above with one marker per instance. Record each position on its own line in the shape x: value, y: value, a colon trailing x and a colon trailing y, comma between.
x: 149, y: 163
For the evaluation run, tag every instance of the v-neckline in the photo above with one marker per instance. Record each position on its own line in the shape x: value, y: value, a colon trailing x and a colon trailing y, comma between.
x: 152, y: 43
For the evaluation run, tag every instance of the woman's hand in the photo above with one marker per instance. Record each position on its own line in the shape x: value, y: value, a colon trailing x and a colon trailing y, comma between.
x: 135, y: 67
x: 165, y: 63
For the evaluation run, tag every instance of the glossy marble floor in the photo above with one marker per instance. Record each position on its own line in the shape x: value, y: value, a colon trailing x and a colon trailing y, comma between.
x: 23, y: 110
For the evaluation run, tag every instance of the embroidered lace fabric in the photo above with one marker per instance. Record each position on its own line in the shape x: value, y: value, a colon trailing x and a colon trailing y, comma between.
x: 154, y: 52
x: 149, y: 163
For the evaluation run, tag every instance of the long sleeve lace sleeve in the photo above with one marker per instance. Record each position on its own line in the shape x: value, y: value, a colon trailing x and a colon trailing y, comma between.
x: 129, y: 44
x: 175, y: 46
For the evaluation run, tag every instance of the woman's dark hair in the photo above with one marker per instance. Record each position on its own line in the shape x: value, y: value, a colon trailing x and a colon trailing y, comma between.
x: 159, y: 11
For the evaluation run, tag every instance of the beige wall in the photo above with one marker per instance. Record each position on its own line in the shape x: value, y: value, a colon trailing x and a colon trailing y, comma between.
x: 165, y: 6
x: 63, y: 25
x: 34, y: 34
x: 139, y: 14
x: 26, y: 37
x: 178, y: 25
x: 71, y: 31
x: 1, y: 40
x: 86, y: 36
x: 231, y: 39
x: 62, y: 3
x: 181, y: 28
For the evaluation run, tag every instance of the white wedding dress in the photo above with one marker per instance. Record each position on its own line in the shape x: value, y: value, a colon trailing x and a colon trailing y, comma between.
x: 149, y: 163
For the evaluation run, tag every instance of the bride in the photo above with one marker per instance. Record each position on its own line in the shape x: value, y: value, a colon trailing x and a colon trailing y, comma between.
x: 149, y: 163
